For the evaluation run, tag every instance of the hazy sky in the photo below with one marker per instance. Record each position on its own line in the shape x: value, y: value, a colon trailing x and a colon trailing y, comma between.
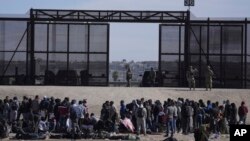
x: 134, y: 41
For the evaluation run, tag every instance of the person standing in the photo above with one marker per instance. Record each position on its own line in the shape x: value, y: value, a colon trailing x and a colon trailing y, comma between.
x: 189, y: 121
x: 122, y: 109
x: 35, y: 111
x: 209, y: 78
x: 242, y: 112
x: 152, y: 76
x: 6, y: 109
x: 171, y: 113
x: 233, y: 114
x: 14, y: 106
x: 190, y: 77
x: 128, y: 77
x: 141, y: 115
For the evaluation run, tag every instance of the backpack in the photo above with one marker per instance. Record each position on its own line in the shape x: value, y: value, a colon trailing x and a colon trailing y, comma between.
x: 140, y: 113
x: 14, y: 106
x: 44, y: 105
x: 188, y: 111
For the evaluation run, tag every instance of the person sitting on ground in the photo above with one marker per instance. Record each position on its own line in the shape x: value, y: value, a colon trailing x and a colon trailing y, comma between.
x: 4, y: 131
x: 93, y: 119
x: 126, y: 125
x: 43, y: 125
x: 87, y: 123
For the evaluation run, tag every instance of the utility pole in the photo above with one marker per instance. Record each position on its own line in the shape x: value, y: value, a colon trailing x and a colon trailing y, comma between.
x: 187, y: 58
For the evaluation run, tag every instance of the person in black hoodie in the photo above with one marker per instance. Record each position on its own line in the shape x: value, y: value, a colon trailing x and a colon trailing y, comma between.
x: 52, y: 104
x: 233, y: 114
x: 227, y: 112
x: 1, y: 107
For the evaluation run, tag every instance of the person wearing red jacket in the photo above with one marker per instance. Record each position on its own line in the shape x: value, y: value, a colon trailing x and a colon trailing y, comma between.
x: 242, y: 112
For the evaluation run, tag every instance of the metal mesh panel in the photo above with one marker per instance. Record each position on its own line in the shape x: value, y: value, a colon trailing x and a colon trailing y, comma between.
x: 19, y: 62
x: 248, y: 74
x: 195, y: 62
x: 41, y: 37
x: 202, y: 71
x: 70, y: 61
x: 98, y: 38
x: 57, y: 61
x: 248, y: 39
x: 97, y: 69
x: 182, y: 40
x: 98, y: 63
x: 195, y: 39
x: 214, y: 39
x: 170, y: 65
x: 78, y: 63
x: 215, y: 63
x: 16, y: 69
x: 78, y: 38
x: 204, y: 39
x: 170, y: 39
x: 41, y: 67
x: 11, y: 33
x: 2, y: 36
x: 248, y: 57
x: 182, y: 71
x: 2, y: 46
x: 232, y: 71
x: 41, y: 63
x: 231, y: 39
x: 59, y: 38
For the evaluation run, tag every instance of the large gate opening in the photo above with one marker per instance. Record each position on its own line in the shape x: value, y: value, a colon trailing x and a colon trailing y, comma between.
x: 138, y: 42
x: 134, y: 46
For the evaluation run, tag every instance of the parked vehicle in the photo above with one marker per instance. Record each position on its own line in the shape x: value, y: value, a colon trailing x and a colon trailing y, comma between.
x: 146, y: 80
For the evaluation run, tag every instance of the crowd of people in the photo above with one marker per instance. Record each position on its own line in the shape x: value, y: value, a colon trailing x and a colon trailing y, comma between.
x: 35, y: 118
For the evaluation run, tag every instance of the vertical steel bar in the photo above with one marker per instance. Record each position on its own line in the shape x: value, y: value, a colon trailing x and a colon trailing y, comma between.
x: 107, y: 61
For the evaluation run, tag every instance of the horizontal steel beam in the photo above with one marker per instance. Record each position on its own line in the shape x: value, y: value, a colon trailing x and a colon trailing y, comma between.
x: 108, y: 16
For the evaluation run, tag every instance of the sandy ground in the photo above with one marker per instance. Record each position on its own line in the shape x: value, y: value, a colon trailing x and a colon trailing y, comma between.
x: 98, y: 95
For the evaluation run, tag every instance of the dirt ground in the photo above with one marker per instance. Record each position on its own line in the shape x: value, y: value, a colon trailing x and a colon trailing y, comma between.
x: 96, y: 96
